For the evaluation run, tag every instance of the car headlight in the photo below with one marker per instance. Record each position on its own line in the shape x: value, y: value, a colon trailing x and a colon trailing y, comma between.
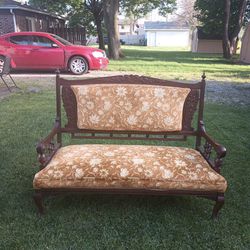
x: 98, y: 54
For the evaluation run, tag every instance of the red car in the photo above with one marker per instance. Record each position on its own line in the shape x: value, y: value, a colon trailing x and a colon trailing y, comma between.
x: 38, y: 50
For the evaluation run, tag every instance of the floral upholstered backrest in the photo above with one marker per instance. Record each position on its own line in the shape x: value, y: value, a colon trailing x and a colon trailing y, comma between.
x: 130, y: 107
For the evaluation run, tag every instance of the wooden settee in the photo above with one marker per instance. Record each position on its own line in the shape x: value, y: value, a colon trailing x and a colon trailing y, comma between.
x: 130, y: 108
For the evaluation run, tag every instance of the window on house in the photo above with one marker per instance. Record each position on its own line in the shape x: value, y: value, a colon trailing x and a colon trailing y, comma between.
x: 30, y: 24
x: 41, y: 24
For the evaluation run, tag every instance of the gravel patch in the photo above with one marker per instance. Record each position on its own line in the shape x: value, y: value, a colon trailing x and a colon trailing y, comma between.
x: 228, y: 93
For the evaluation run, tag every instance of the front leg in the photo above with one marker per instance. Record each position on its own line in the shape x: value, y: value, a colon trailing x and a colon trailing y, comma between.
x: 218, y: 205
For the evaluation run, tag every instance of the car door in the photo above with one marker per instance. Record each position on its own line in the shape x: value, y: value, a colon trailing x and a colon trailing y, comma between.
x: 46, y: 54
x: 20, y: 50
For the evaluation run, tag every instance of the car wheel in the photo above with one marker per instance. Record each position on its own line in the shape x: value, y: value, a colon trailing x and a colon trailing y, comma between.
x: 2, y: 59
x: 78, y: 65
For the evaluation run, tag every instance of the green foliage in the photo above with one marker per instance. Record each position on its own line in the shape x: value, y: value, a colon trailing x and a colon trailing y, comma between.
x: 211, y: 15
x: 74, y: 10
x: 81, y: 15
x: 140, y: 8
x: 57, y: 7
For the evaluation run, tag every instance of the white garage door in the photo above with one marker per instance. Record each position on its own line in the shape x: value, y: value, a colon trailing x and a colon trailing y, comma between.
x: 151, y: 38
x: 172, y: 38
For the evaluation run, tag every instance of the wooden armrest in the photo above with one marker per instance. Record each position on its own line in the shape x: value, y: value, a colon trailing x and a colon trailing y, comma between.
x: 51, y: 135
x: 46, y: 148
x: 220, y: 150
x: 206, y: 150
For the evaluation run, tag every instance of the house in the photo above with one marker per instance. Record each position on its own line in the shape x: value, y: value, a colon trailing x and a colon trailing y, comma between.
x: 245, y: 46
x: 125, y: 27
x: 15, y: 17
x: 131, y: 33
x: 206, y: 43
x: 169, y: 34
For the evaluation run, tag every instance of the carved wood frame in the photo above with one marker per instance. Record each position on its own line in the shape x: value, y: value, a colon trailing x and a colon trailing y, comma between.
x: 47, y: 148
x: 70, y: 105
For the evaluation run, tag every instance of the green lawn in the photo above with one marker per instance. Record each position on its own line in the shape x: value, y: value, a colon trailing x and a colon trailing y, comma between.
x: 179, y: 64
x: 117, y: 222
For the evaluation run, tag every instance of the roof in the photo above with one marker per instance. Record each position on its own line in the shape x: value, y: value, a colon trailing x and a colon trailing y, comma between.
x: 207, y: 36
x: 164, y: 26
x: 10, y: 4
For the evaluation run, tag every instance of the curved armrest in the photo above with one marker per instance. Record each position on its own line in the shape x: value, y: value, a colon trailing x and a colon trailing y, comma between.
x: 210, y: 144
x: 47, y: 147
x: 220, y: 150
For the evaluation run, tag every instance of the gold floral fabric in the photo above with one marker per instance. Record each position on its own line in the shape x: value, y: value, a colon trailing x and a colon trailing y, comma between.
x: 130, y: 107
x: 129, y: 166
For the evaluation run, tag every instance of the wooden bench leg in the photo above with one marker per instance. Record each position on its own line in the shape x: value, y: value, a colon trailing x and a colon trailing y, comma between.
x: 218, y: 205
x: 38, y: 199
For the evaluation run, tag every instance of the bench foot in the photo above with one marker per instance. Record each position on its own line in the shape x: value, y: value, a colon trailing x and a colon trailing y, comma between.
x: 218, y: 205
x: 38, y: 199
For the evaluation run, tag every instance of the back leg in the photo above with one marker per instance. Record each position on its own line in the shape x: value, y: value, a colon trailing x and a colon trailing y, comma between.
x: 218, y: 205
x: 38, y: 199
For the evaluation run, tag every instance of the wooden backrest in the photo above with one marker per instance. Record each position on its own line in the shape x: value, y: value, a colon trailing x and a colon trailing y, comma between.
x: 66, y: 92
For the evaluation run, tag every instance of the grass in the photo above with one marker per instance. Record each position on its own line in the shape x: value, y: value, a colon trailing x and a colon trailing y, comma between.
x: 117, y: 222
x: 180, y: 64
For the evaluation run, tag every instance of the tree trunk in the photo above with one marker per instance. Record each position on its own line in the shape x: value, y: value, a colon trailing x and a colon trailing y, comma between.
x: 131, y: 25
x: 225, y: 40
x: 234, y: 37
x: 111, y: 8
x: 235, y: 45
x: 98, y: 23
x: 230, y: 43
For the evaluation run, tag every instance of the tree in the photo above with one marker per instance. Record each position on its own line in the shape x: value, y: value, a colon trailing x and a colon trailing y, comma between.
x: 135, y: 7
x: 96, y: 7
x: 140, y: 8
x: 87, y: 13
x: 225, y: 17
x: 59, y: 7
x: 78, y: 11
x: 230, y: 39
x: 111, y: 9
x: 81, y: 16
x: 186, y: 14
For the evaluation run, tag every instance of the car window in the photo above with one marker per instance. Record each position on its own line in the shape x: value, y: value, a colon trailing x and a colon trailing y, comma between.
x: 42, y: 41
x: 61, y: 40
x: 20, y: 40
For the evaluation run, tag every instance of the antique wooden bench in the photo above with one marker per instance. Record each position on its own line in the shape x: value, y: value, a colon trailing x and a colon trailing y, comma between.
x: 130, y: 108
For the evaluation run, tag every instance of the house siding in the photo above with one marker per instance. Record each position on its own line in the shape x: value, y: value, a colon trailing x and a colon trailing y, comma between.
x: 168, y: 38
x: 209, y: 46
x: 6, y: 22
x: 41, y: 23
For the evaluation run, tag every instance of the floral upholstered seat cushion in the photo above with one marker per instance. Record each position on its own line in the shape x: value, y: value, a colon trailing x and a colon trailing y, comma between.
x: 129, y: 166
x: 130, y: 107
